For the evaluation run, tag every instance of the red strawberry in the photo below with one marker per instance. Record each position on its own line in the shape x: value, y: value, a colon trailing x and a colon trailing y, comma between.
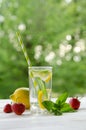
x: 74, y: 103
x: 18, y: 108
x: 7, y: 108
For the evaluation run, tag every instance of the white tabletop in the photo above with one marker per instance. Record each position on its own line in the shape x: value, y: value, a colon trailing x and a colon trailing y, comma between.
x: 67, y: 121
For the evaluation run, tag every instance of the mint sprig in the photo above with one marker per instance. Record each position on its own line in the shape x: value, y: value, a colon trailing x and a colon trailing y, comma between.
x: 59, y: 106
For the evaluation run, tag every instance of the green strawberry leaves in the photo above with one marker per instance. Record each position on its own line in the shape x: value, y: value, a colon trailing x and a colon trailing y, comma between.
x: 59, y: 106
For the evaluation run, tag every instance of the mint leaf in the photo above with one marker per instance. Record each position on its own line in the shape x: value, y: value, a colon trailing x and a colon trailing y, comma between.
x: 52, y: 107
x: 48, y: 105
x: 62, y: 98
x: 42, y: 86
x: 58, y: 107
x: 56, y: 111
x: 66, y: 108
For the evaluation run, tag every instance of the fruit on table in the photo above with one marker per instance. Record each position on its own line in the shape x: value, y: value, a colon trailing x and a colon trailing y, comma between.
x: 21, y: 95
x: 7, y: 108
x: 74, y: 103
x: 18, y: 108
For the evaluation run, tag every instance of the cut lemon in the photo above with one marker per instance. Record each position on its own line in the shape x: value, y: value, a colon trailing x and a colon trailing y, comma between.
x: 40, y: 99
x: 45, y: 75
x: 48, y: 78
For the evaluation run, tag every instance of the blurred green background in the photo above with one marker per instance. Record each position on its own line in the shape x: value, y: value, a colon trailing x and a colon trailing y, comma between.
x: 54, y: 33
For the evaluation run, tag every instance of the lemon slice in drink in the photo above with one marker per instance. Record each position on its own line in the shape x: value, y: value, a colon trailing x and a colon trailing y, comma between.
x: 48, y: 78
x: 40, y: 99
x: 45, y: 75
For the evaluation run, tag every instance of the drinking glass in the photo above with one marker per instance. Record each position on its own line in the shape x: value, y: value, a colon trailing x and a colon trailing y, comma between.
x: 40, y: 85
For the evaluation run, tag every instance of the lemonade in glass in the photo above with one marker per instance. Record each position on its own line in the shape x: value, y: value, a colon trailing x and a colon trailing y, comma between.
x: 40, y: 84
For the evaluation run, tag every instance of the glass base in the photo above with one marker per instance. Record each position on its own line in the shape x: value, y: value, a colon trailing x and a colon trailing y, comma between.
x: 37, y: 111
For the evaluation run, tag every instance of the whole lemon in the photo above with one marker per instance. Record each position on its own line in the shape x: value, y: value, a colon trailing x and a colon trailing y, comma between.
x: 21, y: 95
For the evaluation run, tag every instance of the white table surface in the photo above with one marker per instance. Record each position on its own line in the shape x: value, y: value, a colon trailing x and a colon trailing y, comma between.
x: 67, y: 121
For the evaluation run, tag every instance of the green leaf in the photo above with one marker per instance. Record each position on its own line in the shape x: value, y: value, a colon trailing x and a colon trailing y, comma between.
x: 48, y: 105
x: 52, y: 107
x: 58, y: 107
x: 56, y: 111
x: 61, y: 99
x: 66, y: 108
x: 41, y: 86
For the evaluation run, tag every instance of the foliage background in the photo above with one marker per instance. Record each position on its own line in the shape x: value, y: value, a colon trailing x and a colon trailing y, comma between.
x: 54, y: 33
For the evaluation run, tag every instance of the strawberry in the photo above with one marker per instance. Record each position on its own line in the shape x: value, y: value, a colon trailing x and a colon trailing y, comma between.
x: 18, y: 108
x: 7, y: 108
x: 74, y: 103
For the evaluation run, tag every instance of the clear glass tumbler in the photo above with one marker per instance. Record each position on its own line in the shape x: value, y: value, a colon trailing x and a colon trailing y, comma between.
x: 40, y: 84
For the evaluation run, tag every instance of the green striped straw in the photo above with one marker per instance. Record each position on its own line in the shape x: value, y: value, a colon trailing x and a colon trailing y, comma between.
x: 28, y: 61
x: 25, y: 54
x: 23, y: 48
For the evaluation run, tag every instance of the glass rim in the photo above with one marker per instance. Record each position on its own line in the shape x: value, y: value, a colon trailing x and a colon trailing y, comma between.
x: 40, y: 67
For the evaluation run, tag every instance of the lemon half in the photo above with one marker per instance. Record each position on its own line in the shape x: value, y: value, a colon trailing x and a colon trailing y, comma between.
x: 21, y: 95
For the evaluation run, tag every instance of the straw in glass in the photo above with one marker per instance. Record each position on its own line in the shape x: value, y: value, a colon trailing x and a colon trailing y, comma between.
x: 26, y: 55
x: 36, y: 83
x: 23, y: 49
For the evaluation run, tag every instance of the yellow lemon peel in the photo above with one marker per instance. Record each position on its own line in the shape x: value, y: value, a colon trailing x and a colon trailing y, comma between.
x: 21, y: 95
x: 48, y: 78
x: 40, y: 99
